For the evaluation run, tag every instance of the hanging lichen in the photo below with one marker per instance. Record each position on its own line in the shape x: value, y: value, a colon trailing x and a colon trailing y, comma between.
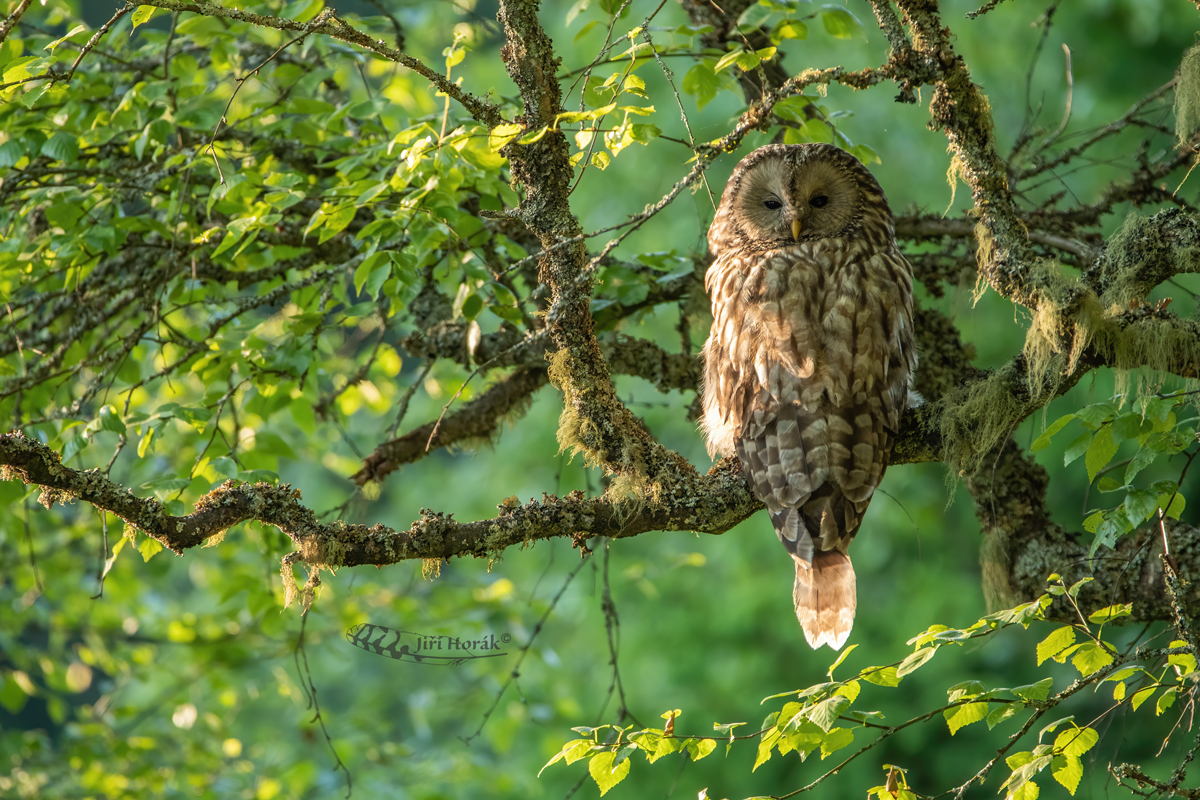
x: 1187, y: 97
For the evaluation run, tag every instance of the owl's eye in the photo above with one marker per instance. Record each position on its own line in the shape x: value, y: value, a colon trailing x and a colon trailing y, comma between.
x: 820, y: 201
x: 773, y: 204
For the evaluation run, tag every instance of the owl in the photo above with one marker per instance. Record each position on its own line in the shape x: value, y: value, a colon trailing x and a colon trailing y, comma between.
x: 807, y: 366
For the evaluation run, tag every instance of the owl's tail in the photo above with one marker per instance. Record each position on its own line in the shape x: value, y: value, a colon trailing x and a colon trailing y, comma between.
x: 825, y: 598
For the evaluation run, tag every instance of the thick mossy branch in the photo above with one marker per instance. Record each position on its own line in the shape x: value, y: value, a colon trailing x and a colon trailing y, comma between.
x: 1079, y: 324
x: 1143, y: 254
x: 711, y: 503
x: 973, y: 420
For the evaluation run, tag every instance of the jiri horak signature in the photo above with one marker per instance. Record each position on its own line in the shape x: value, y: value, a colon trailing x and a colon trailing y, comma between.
x: 422, y: 648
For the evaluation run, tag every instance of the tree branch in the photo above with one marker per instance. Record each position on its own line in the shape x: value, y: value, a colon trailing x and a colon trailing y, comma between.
x: 478, y: 419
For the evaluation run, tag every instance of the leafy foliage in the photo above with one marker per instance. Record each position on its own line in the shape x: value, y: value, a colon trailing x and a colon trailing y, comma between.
x: 822, y: 717
x: 1161, y: 426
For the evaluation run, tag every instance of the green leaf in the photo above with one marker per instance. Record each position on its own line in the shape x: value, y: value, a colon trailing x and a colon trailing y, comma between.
x: 731, y: 729
x: 147, y: 440
x: 755, y: 15
x: 1109, y: 613
x: 1159, y: 409
x: 839, y: 22
x: 1106, y: 534
x: 865, y: 154
x: 1078, y: 447
x: 585, y: 29
x: 726, y: 60
x: 702, y: 83
x: 1058, y: 640
x: 1091, y: 657
x: 372, y: 273
x: 142, y: 15
x: 1096, y: 414
x: 699, y: 748
x: 501, y: 135
x: 1000, y: 714
x: 965, y: 690
x: 302, y: 10
x: 1184, y: 663
x: 836, y: 740
x: 962, y: 716
x: 534, y: 136
x: 1123, y: 674
x: 110, y: 420
x: 641, y: 111
x: 472, y: 305
x: 1077, y: 585
x: 21, y: 68
x: 1176, y: 507
x: 825, y: 713
x: 634, y: 85
x: 1142, y: 459
x: 765, y: 745
x: 1076, y: 741
x: 1067, y: 770
x: 1139, y: 505
x: 1165, y: 701
x: 841, y: 657
x: 1043, y: 441
x: 1141, y: 696
x: 12, y: 696
x: 915, y: 661
x: 1026, y: 791
x: 789, y: 29
x: 75, y: 30
x: 10, y: 153
x: 149, y: 548
x: 1034, y: 691
x: 1100, y: 451
x: 62, y: 147
x: 572, y: 751
x: 881, y: 676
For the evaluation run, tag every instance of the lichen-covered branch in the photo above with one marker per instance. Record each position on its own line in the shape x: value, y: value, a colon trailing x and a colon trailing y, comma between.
x: 594, y: 421
x: 960, y: 110
x: 711, y: 503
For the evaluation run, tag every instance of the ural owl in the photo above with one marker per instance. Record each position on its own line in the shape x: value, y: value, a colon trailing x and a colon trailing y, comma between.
x: 807, y: 366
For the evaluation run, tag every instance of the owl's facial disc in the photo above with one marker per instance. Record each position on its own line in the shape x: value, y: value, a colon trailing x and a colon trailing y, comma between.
x: 782, y: 201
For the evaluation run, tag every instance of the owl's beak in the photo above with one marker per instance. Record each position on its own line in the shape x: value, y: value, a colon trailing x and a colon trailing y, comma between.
x: 795, y: 229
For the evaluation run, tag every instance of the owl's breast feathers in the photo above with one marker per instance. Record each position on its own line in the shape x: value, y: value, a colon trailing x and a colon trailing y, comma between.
x: 806, y: 377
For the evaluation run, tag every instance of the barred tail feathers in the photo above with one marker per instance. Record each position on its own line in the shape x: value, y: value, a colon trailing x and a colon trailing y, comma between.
x: 825, y: 598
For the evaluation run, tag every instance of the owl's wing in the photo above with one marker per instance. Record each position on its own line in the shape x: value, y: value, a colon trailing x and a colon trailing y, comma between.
x: 813, y: 385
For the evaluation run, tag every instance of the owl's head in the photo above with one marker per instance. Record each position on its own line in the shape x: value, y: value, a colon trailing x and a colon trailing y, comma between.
x: 787, y: 193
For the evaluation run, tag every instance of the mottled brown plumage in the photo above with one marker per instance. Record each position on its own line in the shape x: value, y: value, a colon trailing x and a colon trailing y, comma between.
x: 808, y: 363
